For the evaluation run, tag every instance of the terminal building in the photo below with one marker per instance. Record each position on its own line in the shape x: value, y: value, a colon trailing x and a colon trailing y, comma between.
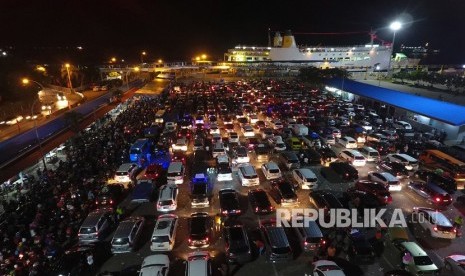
x: 422, y: 113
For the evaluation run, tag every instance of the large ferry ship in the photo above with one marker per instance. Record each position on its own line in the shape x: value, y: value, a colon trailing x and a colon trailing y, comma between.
x: 369, y: 57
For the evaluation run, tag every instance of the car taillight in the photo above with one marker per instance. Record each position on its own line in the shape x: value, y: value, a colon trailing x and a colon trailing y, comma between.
x: 455, y: 230
x: 206, y: 238
x: 435, y: 229
x: 96, y: 203
x: 189, y: 240
x: 305, y: 243
x: 256, y: 209
x: 224, y: 212
x: 111, y: 201
x: 438, y: 199
x: 323, y: 242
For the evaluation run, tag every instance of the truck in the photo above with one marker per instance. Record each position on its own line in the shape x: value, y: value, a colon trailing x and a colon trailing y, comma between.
x: 300, y: 130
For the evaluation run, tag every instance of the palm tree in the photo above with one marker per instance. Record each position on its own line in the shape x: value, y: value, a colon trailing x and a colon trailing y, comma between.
x: 74, y: 74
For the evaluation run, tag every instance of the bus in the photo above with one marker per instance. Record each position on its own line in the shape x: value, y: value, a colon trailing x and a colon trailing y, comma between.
x: 141, y: 148
x: 436, y: 159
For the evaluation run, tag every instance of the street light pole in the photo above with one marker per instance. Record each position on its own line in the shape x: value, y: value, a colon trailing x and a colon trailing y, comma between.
x: 25, y: 82
x: 37, y: 133
x: 395, y: 26
x: 69, y: 77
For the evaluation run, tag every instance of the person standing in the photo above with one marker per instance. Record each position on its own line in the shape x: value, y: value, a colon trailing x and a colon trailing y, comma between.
x: 90, y: 261
x: 406, y: 259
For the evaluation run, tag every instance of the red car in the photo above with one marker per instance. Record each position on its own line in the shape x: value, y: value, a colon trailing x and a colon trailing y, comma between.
x: 153, y: 171
x: 375, y: 188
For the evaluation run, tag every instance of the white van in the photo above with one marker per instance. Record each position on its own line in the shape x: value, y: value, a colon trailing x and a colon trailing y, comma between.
x: 347, y: 142
x: 175, y: 173
x: 354, y: 157
x: 164, y: 233
x: 125, y: 172
x: 305, y: 178
x: 247, y: 175
x: 271, y: 171
x: 370, y: 154
x: 409, y: 162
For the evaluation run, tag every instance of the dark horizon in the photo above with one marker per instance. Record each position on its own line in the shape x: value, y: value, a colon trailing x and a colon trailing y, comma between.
x: 175, y: 31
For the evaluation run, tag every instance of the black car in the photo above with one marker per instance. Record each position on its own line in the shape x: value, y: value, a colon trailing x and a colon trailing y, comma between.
x: 312, y: 156
x: 229, y: 203
x: 355, y: 198
x: 262, y: 152
x: 346, y: 171
x: 284, y: 193
x: 110, y: 195
x: 74, y: 260
x: 236, y: 242
x: 446, y: 183
x: 260, y: 202
x: 200, y: 230
x: 325, y: 200
x: 382, y: 147
x: 359, y: 251
x: 432, y: 193
x: 395, y: 168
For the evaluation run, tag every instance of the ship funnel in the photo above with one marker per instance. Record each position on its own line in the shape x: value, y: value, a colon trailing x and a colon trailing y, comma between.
x: 277, y: 40
x: 288, y: 40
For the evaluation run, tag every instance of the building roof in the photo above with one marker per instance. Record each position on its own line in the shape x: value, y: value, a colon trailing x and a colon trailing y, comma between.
x: 442, y: 111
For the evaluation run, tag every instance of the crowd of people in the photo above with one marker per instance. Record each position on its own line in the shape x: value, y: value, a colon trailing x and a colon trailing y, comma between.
x: 42, y: 223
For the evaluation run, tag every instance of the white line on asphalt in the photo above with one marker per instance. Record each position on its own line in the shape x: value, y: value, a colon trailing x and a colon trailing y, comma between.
x: 274, y: 269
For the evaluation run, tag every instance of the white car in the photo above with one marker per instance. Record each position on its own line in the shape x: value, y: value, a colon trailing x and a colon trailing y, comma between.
x: 435, y: 223
x: 233, y: 137
x: 271, y: 171
x: 253, y: 118
x: 158, y: 264
x: 214, y: 129
x: 347, y: 142
x: 354, y: 157
x: 248, y: 131
x: 327, y: 268
x: 387, y: 179
x: 223, y: 168
x: 241, y: 155
x: 168, y: 198
x: 409, y: 162
x: 305, y: 178
x: 180, y: 145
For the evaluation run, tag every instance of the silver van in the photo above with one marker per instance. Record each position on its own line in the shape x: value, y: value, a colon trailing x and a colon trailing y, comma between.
x: 277, y: 247
x: 127, y: 235
x: 290, y: 160
x: 310, y: 236
x: 95, y: 226
x: 370, y: 154
x: 164, y: 233
x: 175, y: 173
x: 125, y: 172
x: 199, y: 264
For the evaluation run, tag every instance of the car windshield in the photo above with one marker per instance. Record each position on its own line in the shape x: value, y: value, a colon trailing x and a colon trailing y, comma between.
x: 160, y: 239
x: 165, y: 202
x: 199, y: 189
x: 422, y: 260
x: 121, y: 241
x: 87, y: 230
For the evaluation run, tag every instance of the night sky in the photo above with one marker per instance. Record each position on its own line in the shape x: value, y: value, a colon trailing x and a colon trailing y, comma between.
x: 179, y: 30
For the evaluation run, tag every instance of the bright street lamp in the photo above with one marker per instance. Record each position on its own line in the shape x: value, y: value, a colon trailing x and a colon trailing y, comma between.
x: 69, y: 77
x: 204, y: 56
x: 395, y: 26
x: 144, y: 53
x: 113, y: 59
